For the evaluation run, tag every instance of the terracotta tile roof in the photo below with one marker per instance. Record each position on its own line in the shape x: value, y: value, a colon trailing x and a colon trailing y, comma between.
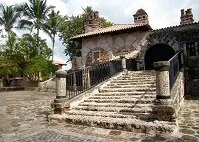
x: 59, y: 62
x: 114, y: 28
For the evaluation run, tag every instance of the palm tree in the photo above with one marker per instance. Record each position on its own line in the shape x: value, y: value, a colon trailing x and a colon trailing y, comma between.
x: 52, y: 25
x: 8, y: 17
x: 35, y: 13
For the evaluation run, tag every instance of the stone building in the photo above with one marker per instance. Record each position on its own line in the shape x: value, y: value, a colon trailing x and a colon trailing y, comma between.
x: 132, y: 41
x: 110, y: 95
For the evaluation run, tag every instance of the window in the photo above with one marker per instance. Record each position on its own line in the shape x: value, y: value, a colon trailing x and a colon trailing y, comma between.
x: 96, y: 55
x: 192, y: 49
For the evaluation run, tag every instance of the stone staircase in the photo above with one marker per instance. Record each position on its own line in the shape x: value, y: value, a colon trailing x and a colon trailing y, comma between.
x: 126, y: 103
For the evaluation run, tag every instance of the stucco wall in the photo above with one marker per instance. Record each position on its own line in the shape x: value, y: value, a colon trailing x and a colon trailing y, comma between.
x: 112, y: 46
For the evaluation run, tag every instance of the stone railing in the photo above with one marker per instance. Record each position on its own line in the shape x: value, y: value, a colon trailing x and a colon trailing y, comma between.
x: 169, y: 89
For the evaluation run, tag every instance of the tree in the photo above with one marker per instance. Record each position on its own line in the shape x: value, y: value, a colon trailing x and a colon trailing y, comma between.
x: 35, y: 13
x: 72, y: 26
x: 8, y: 17
x: 52, y: 24
x: 25, y: 56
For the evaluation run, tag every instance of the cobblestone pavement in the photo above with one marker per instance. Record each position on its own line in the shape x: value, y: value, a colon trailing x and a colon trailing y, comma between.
x: 23, y: 118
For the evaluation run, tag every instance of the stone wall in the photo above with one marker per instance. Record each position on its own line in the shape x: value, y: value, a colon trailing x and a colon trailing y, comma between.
x: 161, y: 39
x: 48, y: 85
x: 177, y: 92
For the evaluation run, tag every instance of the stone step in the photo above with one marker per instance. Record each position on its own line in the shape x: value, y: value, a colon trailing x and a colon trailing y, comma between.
x: 152, y: 72
x: 130, y: 105
x: 127, y: 124
x: 115, y: 109
x: 133, y: 81
x: 136, y: 77
x: 125, y: 93
x: 136, y: 80
x: 142, y: 116
x: 131, y: 86
x: 133, y: 100
x: 123, y: 97
x: 106, y: 89
x: 130, y: 83
x: 99, y: 113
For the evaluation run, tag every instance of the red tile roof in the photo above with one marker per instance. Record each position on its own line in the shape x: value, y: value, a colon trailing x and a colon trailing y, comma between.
x: 58, y: 62
x: 114, y: 28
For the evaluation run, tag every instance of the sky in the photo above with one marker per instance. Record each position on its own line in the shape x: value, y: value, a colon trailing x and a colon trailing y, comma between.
x: 162, y: 13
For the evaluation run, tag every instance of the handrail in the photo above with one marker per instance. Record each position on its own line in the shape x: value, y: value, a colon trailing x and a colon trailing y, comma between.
x: 175, y: 65
x: 79, y: 81
x: 174, y: 56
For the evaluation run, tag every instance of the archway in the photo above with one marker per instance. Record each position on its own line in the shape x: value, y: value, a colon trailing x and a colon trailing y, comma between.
x: 158, y: 52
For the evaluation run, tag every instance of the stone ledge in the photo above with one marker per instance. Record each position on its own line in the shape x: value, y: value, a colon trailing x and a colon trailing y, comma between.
x: 161, y: 65
x: 20, y: 88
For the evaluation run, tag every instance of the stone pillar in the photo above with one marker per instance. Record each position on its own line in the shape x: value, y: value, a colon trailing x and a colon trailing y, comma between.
x: 164, y: 109
x: 123, y: 63
x: 88, y: 81
x: 1, y: 83
x: 74, y: 81
x: 112, y: 68
x: 61, y: 97
x: 162, y: 79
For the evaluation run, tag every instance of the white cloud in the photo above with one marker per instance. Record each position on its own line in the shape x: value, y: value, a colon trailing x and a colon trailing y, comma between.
x: 162, y: 13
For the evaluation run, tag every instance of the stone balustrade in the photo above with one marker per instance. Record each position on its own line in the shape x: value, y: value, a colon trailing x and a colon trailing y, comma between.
x: 61, y: 97
x: 168, y: 100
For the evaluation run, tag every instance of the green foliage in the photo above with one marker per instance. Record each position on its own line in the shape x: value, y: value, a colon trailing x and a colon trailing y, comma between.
x: 35, y: 13
x: 168, y: 34
x: 187, y: 35
x: 27, y: 55
x: 8, y: 17
x: 72, y: 26
x: 52, y: 25
x: 7, y: 67
x: 69, y: 28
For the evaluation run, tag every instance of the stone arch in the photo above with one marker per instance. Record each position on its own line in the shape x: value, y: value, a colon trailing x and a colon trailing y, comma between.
x: 157, y: 52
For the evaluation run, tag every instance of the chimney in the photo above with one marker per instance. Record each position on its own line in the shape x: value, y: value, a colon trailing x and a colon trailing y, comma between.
x: 186, y: 17
x: 92, y: 22
x: 141, y: 17
x: 189, y: 11
x: 182, y: 12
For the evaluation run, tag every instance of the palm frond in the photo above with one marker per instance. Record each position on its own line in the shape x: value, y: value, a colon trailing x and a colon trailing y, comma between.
x: 25, y: 23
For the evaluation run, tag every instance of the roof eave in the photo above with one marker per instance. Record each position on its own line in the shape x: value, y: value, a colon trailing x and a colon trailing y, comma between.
x: 147, y: 27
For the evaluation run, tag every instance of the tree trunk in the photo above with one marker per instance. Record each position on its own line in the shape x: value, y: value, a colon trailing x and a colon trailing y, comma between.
x: 38, y: 41
x: 53, y: 41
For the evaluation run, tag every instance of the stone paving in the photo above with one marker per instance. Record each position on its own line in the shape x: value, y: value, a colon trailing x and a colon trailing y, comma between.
x: 23, y: 118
